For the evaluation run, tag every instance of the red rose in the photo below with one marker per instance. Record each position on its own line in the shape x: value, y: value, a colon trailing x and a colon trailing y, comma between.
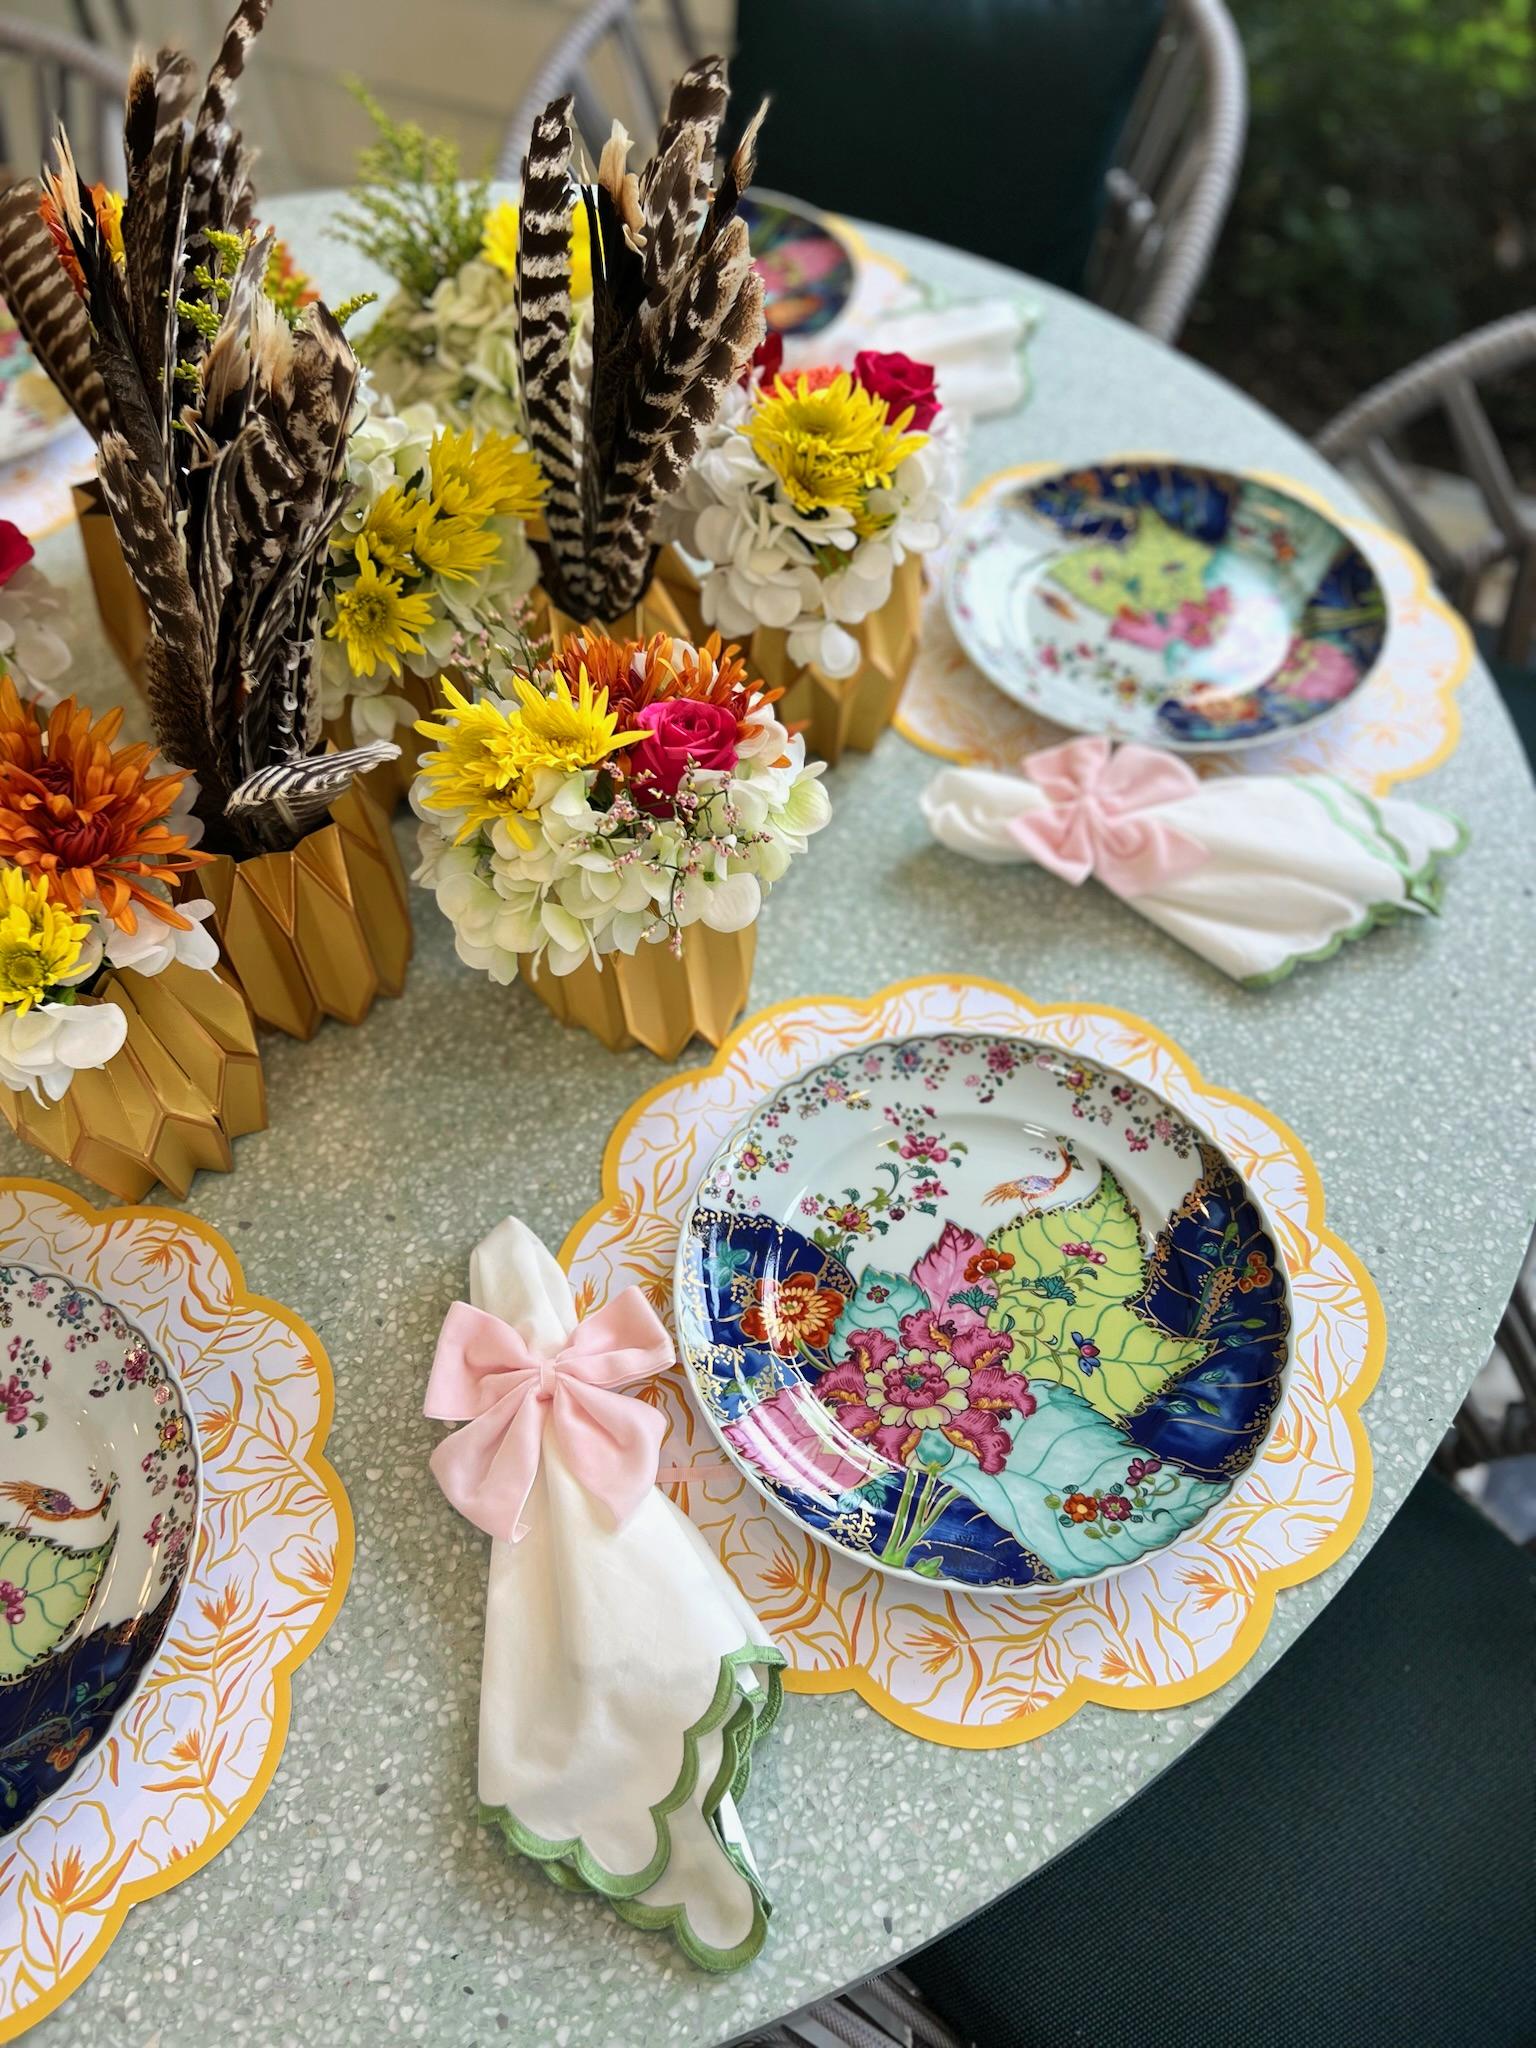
x: 15, y: 550
x: 683, y: 732
x: 767, y: 361
x: 901, y: 383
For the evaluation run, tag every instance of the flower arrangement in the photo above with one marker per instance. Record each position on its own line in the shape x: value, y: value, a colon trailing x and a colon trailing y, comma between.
x: 94, y: 846
x: 609, y: 796
x: 33, y: 648
x: 807, y: 496
x: 448, y: 336
x: 432, y: 547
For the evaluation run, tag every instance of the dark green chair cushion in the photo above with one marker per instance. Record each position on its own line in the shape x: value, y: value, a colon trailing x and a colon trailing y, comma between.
x: 986, y: 123
x: 1348, y: 1859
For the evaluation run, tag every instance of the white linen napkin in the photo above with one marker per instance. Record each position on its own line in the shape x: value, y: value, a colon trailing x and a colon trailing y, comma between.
x: 1257, y: 873
x: 976, y: 348
x: 625, y: 1679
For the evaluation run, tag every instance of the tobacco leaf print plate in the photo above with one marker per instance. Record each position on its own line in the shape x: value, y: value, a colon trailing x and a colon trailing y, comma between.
x: 981, y: 1311
x: 807, y: 272
x: 1187, y: 608
x: 99, y: 1492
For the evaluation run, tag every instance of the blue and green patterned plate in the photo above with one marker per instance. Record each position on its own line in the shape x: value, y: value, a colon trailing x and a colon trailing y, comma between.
x: 99, y: 1499
x: 807, y: 272
x: 1192, y: 609
x: 983, y: 1312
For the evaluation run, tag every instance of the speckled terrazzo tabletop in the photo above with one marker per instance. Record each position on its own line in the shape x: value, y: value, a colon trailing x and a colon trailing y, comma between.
x: 362, y: 1903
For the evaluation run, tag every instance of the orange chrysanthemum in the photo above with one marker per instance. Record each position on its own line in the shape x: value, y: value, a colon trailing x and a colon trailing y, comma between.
x: 638, y: 672
x: 108, y: 208
x: 87, y: 815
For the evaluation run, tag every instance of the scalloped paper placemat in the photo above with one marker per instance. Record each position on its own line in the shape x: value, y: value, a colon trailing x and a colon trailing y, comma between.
x: 986, y: 1672
x: 188, y: 1765
x: 1403, y: 723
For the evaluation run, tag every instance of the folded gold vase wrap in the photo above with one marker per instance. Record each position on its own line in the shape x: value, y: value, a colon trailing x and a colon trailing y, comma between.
x: 319, y: 931
x: 839, y: 712
x: 653, y: 996
x: 186, y: 1081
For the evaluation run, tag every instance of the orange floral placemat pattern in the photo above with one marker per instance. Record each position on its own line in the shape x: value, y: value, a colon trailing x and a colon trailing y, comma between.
x: 983, y: 1672
x: 1403, y: 723
x: 199, y: 1745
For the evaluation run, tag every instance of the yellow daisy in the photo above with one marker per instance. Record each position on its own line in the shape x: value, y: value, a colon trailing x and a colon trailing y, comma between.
x: 390, y: 531
x: 830, y: 444
x: 375, y: 621
x: 500, y: 245
x: 458, y: 549
x: 498, y: 479
x: 488, y: 754
x: 568, y: 732
x: 40, y: 942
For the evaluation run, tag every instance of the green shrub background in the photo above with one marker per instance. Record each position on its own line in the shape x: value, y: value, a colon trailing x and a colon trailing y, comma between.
x: 1387, y: 201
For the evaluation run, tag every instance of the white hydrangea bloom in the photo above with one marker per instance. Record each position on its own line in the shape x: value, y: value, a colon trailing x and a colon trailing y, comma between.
x: 762, y: 563
x: 42, y: 1051
x: 34, y: 649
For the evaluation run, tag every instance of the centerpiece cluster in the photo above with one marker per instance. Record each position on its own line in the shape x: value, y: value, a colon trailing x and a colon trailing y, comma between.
x: 586, y: 802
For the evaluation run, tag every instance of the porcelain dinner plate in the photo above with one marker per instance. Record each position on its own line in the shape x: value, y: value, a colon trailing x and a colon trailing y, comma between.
x: 1186, y: 608
x: 806, y: 271
x: 982, y: 1311
x: 98, y: 1508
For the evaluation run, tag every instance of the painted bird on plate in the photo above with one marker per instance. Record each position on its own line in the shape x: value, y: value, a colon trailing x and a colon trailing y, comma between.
x: 50, y: 1503
x: 1033, y: 1187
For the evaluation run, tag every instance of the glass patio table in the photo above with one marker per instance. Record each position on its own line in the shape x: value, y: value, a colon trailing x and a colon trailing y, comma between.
x: 362, y: 1902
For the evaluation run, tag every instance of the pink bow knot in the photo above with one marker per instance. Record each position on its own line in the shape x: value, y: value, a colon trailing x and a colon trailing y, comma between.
x: 1098, y: 819
x: 485, y: 1376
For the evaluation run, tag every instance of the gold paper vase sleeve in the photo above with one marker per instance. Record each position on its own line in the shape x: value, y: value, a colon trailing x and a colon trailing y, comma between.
x: 839, y: 712
x: 186, y: 1080
x: 653, y: 996
x: 319, y: 931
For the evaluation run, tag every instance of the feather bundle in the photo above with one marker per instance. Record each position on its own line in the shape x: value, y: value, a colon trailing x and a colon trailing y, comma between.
x: 221, y: 435
x: 677, y: 313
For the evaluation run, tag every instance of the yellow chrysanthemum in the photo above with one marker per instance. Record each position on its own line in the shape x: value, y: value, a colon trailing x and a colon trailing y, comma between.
x: 500, y: 245
x: 390, y: 531
x: 830, y: 444
x: 488, y: 754
x: 40, y: 942
x: 498, y: 479
x: 458, y: 549
x: 568, y: 732
x: 375, y: 621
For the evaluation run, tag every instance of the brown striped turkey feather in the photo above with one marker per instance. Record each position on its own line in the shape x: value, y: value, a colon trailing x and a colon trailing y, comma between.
x: 675, y: 318
x: 222, y: 437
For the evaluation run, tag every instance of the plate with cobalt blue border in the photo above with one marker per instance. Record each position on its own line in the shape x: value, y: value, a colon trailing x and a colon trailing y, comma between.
x: 100, y: 1495
x: 982, y: 1312
x: 807, y: 272
x: 1186, y: 608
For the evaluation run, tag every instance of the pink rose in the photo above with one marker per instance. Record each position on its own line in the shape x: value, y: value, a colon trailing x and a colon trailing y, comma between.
x: 901, y: 383
x: 683, y: 733
x: 15, y: 550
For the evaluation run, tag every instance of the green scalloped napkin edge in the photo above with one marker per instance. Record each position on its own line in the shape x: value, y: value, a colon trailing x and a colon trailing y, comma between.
x: 746, y: 1715
x: 1424, y: 888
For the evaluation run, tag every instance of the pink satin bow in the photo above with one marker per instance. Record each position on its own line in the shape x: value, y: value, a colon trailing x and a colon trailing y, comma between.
x: 485, y: 1376
x: 1096, y: 822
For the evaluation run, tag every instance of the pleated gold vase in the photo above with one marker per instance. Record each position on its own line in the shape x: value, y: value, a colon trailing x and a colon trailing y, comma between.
x: 185, y: 1083
x: 653, y: 996
x: 320, y: 931
x: 837, y: 713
